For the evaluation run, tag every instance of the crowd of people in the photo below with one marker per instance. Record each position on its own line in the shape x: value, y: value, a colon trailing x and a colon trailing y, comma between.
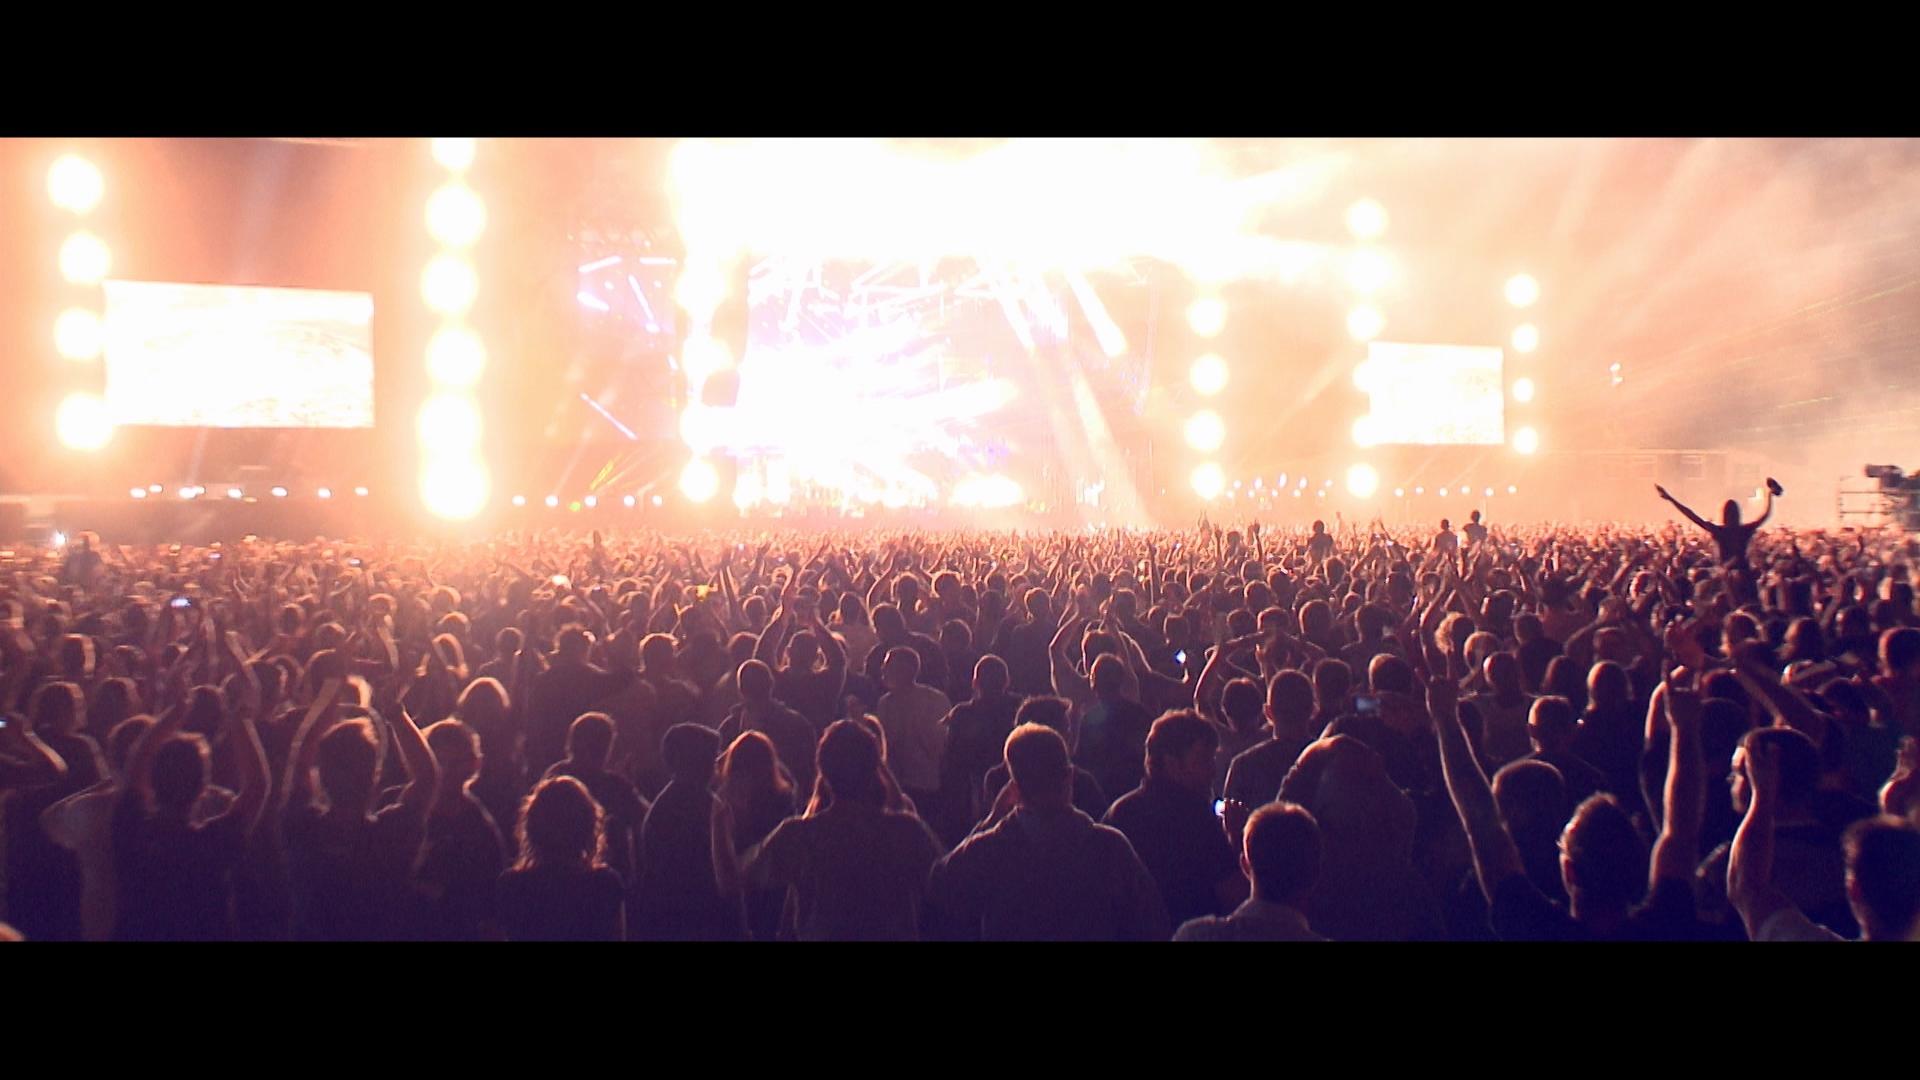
x: 1350, y: 734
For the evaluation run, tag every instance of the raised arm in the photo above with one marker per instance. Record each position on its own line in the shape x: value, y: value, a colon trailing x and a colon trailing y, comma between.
x: 1677, y: 850
x: 296, y: 789
x: 1495, y: 857
x: 423, y: 772
x: 1684, y: 509
x: 1750, y: 884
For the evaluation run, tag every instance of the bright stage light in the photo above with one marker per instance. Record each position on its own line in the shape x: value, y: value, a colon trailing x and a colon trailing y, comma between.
x: 699, y: 482
x: 234, y: 493
x: 78, y: 334
x: 138, y: 493
x: 1206, y: 431
x: 1209, y: 375
x: 1443, y: 493
x: 455, y: 357
x: 1526, y: 440
x: 1365, y: 323
x: 657, y: 500
x: 189, y: 492
x: 1362, y: 481
x: 592, y: 501
x: 454, y: 154
x: 1522, y: 290
x: 746, y: 490
x: 82, y: 422
x: 1368, y: 272
x: 1488, y: 493
x: 84, y: 259
x: 1207, y: 316
x: 987, y: 492
x: 360, y: 491
x: 1512, y: 490
x: 325, y: 493
x: 454, y: 488
x: 75, y: 184
x: 455, y: 215
x: 449, y: 285
x: 1366, y: 432
x: 1366, y: 219
x: 629, y: 501
x: 553, y: 502
x: 1526, y: 338
x: 279, y: 492
x: 519, y: 500
x: 1399, y: 493
x: 449, y: 423
x: 1209, y: 481
x: 1523, y: 390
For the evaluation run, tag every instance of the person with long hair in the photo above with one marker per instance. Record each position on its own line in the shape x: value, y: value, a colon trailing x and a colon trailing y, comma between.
x: 561, y: 888
x: 759, y: 795
x: 858, y: 871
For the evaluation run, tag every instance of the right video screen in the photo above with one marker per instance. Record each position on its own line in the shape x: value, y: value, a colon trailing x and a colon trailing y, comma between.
x: 1433, y: 395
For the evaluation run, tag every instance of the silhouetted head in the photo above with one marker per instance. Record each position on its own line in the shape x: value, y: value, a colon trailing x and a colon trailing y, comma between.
x: 1180, y: 748
x: 1603, y: 860
x: 560, y: 824
x: 347, y: 756
x: 1730, y: 512
x: 590, y: 739
x: 990, y: 677
x: 1049, y: 712
x: 1282, y: 853
x: 849, y: 764
x: 180, y: 773
x: 456, y: 749
x: 1038, y: 761
x: 755, y: 680
x: 689, y: 751
x: 1883, y: 876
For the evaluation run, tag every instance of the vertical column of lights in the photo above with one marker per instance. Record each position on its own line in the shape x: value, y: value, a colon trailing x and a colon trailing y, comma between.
x: 1522, y: 291
x: 454, y: 480
x: 1367, y: 272
x: 1205, y: 431
x: 81, y: 420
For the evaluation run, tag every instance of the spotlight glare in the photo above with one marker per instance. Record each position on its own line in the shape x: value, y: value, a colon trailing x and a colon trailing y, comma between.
x: 1206, y: 431
x: 699, y: 481
x: 1526, y: 440
x: 234, y: 493
x: 1209, y: 481
x: 155, y: 489
x: 1523, y: 390
x: 629, y: 501
x: 1362, y: 481
x: 455, y: 215
x: 449, y: 285
x: 78, y: 334
x: 1209, y: 375
x: 454, y: 154
x: 1399, y: 493
x: 455, y: 357
x: 519, y: 500
x: 1526, y: 338
x: 1522, y: 290
x: 1366, y: 432
x: 1443, y: 493
x: 279, y: 492
x: 1512, y: 490
x: 1365, y: 323
x: 449, y: 423
x: 657, y: 500
x: 138, y: 493
x: 592, y: 501
x: 553, y: 502
x: 75, y: 184
x: 1207, y: 316
x: 360, y: 491
x: 82, y: 422
x: 454, y: 488
x: 325, y: 493
x: 84, y: 259
x: 1368, y: 272
x: 1489, y: 493
x: 1366, y: 219
x: 189, y: 492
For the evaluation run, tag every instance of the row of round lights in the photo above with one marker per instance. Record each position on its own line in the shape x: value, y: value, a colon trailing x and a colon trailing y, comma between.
x: 81, y: 421
x: 454, y: 481
x: 590, y: 502
x: 1362, y: 482
x: 195, y: 491
x: 1205, y: 431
